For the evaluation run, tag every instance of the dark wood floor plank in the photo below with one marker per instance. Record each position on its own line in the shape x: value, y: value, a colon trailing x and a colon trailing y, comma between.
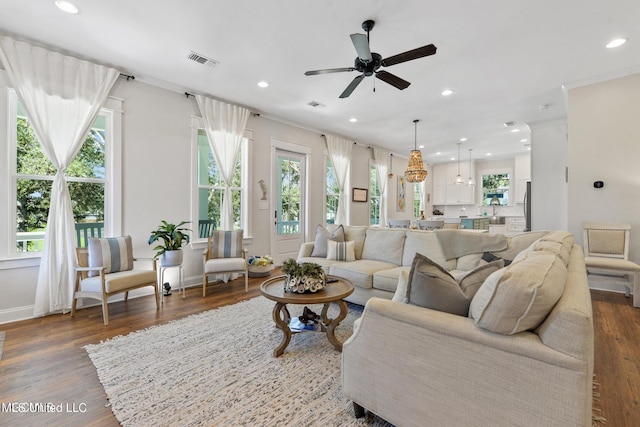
x: 44, y: 360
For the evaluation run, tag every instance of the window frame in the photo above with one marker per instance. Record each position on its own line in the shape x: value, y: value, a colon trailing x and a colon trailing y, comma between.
x: 197, y: 124
x: 328, y: 164
x: 374, y: 192
x: 112, y: 110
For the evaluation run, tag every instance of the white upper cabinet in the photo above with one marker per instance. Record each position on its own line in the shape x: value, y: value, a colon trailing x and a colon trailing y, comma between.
x: 522, y: 175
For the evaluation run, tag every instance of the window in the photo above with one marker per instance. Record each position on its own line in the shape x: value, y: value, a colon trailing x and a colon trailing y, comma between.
x: 495, y: 189
x: 416, y: 199
x: 210, y: 189
x: 374, y: 196
x: 332, y: 193
x: 89, y: 178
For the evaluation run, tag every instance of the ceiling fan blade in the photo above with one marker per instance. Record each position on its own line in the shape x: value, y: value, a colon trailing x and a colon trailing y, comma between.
x: 354, y: 84
x: 410, y: 55
x: 328, y: 70
x: 361, y: 43
x: 392, y: 79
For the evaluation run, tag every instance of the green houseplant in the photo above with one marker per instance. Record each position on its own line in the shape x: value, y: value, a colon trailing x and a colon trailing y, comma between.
x: 173, y: 237
x: 303, y: 277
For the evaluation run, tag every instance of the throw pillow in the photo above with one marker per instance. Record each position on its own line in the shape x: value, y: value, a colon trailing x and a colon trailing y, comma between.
x: 519, y: 297
x: 472, y: 281
x: 226, y: 244
x: 488, y: 257
x: 341, y: 251
x: 113, y: 253
x: 322, y: 236
x: 433, y: 287
x: 401, y: 290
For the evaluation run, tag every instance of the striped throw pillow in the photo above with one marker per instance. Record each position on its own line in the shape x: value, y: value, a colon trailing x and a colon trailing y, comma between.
x: 341, y: 251
x: 226, y: 244
x: 113, y: 253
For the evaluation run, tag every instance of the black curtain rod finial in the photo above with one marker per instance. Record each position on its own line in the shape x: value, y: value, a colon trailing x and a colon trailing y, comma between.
x: 187, y: 94
x: 128, y: 76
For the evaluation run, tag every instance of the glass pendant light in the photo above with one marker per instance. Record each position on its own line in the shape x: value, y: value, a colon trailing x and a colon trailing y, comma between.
x: 470, y: 182
x: 459, y: 179
x: 415, y: 171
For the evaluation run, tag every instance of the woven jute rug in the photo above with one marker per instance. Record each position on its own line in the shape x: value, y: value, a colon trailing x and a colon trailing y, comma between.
x: 217, y: 369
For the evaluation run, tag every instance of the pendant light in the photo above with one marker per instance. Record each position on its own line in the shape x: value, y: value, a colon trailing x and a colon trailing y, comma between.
x: 470, y: 182
x: 459, y: 179
x: 415, y: 171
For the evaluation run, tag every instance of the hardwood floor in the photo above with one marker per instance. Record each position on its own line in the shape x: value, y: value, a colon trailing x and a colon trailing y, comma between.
x: 44, y: 360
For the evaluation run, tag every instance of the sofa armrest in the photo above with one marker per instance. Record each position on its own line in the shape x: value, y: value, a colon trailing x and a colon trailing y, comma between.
x: 305, y: 250
x: 435, y: 363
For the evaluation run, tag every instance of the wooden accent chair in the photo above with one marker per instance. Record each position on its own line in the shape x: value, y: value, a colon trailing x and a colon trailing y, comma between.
x: 606, y: 250
x: 106, y: 268
x: 225, y: 254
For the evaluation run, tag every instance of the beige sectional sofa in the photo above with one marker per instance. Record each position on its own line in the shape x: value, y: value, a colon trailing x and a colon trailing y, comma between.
x: 381, y: 254
x: 523, y: 356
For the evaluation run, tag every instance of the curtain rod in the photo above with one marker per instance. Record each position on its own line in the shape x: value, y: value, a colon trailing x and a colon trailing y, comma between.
x: 128, y: 76
x: 187, y: 94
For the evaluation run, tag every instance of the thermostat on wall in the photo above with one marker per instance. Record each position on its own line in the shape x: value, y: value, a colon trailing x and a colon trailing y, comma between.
x: 598, y: 184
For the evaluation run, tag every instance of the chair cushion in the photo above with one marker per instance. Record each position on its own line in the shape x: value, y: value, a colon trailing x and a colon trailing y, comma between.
x: 113, y: 253
x: 223, y: 265
x: 341, y: 251
x: 431, y: 286
x: 120, y: 281
x: 322, y: 236
x: 519, y: 297
x: 611, y: 264
x: 226, y: 244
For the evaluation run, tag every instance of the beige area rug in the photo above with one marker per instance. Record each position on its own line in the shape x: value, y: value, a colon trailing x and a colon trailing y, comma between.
x: 217, y: 368
x: 2, y: 337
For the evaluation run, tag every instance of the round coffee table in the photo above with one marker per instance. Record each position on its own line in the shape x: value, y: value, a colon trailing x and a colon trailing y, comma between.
x: 332, y: 293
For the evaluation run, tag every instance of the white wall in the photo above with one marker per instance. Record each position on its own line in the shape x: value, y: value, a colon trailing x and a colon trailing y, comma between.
x: 604, y: 144
x: 549, y: 189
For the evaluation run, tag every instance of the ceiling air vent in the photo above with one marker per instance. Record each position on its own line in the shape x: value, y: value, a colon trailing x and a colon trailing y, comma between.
x: 202, y: 59
x: 316, y: 104
x: 509, y: 124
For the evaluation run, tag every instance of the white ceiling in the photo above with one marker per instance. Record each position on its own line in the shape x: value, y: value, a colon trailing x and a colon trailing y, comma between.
x: 505, y: 59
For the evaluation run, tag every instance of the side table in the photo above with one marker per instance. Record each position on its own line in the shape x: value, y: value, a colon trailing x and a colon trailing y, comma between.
x: 163, y: 269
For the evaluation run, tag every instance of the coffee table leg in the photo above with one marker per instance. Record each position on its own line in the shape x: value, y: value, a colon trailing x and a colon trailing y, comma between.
x: 332, y: 324
x: 282, y: 322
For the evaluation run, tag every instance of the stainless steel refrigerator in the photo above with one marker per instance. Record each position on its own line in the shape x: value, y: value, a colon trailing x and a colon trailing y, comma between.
x: 527, y: 207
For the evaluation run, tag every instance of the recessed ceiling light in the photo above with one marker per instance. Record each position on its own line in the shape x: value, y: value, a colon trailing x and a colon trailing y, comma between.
x: 447, y: 92
x: 420, y: 146
x: 515, y: 130
x: 453, y: 158
x: 263, y: 84
x: 523, y: 140
x: 438, y: 153
x: 353, y: 120
x: 616, y: 43
x: 66, y: 6
x: 488, y: 154
x: 463, y: 139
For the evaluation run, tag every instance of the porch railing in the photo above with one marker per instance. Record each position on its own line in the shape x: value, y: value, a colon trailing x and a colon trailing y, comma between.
x: 33, y: 241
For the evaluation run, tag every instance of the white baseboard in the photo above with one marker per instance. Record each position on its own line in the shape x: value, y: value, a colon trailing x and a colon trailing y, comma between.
x: 16, y: 314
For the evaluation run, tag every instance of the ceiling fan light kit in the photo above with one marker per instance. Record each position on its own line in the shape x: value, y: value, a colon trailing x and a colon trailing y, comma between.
x: 368, y: 63
x: 415, y: 170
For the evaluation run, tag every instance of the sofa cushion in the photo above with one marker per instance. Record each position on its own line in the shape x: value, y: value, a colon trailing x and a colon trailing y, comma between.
x: 323, y: 262
x: 519, y: 242
x: 387, y: 280
x: 431, y: 286
x: 340, y: 251
x: 401, y: 290
x: 322, y: 236
x: 471, y: 282
x: 356, y: 234
x: 425, y: 242
x: 384, y: 245
x: 113, y: 253
x: 519, y: 297
x: 564, y: 237
x: 469, y: 262
x: 359, y: 272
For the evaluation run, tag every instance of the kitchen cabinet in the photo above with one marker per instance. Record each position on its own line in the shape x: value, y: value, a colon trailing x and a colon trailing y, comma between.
x: 515, y: 224
x: 522, y: 175
x: 445, y: 191
x: 474, y: 223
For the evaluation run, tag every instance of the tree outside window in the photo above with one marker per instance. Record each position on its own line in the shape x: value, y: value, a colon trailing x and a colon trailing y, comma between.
x: 86, y: 178
x: 374, y: 197
x: 333, y: 191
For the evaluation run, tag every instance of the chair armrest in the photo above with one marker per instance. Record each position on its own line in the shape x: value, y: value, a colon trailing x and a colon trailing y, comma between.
x: 78, y: 268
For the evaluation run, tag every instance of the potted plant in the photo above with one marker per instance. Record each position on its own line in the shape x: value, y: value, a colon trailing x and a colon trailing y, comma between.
x: 260, y: 266
x: 173, y: 237
x: 303, y: 277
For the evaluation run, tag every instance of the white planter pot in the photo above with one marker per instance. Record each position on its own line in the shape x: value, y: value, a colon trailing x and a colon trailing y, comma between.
x: 171, y: 258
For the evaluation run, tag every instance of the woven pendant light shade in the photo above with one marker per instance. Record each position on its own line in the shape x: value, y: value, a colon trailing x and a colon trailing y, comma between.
x: 415, y: 171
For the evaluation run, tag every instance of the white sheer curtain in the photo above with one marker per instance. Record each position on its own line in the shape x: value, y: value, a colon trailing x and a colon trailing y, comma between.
x: 62, y: 96
x: 340, y: 154
x: 225, y: 125
x: 381, y: 158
